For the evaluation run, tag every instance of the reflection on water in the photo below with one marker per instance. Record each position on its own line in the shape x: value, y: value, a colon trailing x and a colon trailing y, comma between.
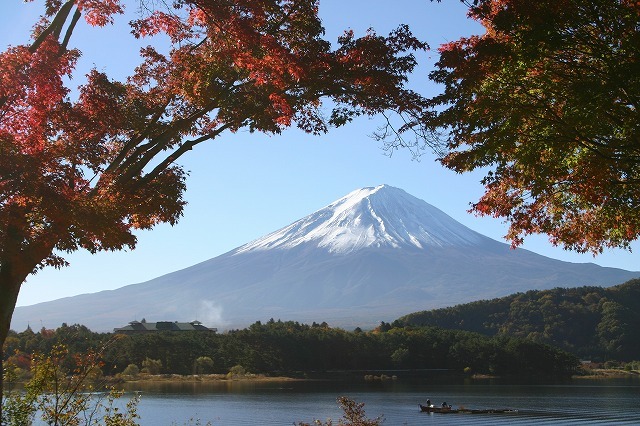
x: 584, y: 402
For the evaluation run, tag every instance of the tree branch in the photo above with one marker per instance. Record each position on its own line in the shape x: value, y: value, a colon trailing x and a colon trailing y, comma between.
x: 184, y: 147
x: 55, y: 27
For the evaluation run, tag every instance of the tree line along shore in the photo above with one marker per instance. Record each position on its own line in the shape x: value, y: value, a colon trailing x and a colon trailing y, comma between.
x: 287, y: 348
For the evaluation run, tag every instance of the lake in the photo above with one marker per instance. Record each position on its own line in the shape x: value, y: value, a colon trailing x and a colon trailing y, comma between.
x: 579, y: 401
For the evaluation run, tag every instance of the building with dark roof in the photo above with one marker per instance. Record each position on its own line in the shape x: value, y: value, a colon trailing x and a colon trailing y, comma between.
x: 135, y: 327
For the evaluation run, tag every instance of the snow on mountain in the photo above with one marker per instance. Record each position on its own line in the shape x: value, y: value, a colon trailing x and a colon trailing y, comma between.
x: 374, y: 255
x: 381, y: 216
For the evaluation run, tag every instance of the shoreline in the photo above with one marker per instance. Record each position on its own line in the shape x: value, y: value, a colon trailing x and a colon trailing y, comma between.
x: 606, y: 373
x: 221, y: 378
x: 202, y: 378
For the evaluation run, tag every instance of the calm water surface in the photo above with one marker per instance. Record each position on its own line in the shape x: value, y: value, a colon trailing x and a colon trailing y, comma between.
x: 578, y: 402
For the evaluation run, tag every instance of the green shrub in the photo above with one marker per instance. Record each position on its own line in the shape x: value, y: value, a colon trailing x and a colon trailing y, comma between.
x: 236, y: 371
x: 131, y: 370
x: 151, y: 366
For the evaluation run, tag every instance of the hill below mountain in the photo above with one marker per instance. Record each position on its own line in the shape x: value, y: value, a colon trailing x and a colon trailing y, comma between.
x: 592, y: 322
x: 373, y: 255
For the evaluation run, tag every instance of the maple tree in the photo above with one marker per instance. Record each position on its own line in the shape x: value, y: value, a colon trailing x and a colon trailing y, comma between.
x: 546, y: 101
x: 86, y: 171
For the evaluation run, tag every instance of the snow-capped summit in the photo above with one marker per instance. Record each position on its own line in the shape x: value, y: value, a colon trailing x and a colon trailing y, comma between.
x: 381, y: 216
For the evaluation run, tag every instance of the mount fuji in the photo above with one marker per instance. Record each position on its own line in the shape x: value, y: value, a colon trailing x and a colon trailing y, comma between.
x: 374, y: 255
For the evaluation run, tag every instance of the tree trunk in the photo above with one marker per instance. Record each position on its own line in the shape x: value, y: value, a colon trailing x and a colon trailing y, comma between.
x: 11, y: 279
x: 9, y: 289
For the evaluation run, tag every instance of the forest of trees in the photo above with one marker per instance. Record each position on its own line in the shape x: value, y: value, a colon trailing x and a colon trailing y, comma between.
x: 291, y: 348
x: 591, y: 322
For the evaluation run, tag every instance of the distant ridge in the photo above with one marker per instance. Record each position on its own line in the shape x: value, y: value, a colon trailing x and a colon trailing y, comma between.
x: 374, y: 255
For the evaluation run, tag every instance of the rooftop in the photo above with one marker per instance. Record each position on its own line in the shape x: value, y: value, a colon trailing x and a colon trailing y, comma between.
x: 143, y: 326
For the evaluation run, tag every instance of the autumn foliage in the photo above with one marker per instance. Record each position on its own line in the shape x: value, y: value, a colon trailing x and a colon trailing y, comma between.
x: 84, y: 169
x: 546, y: 101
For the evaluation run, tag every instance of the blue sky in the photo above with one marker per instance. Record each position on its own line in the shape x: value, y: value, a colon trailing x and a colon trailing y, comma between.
x: 242, y: 186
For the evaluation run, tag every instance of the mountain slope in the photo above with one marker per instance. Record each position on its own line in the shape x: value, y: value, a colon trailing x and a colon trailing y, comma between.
x: 375, y: 254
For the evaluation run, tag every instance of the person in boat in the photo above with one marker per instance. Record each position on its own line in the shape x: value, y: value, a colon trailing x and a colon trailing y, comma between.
x: 429, y: 403
x: 446, y: 406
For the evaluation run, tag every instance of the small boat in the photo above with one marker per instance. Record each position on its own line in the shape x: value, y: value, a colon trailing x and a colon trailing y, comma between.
x: 435, y: 409
x: 450, y: 410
